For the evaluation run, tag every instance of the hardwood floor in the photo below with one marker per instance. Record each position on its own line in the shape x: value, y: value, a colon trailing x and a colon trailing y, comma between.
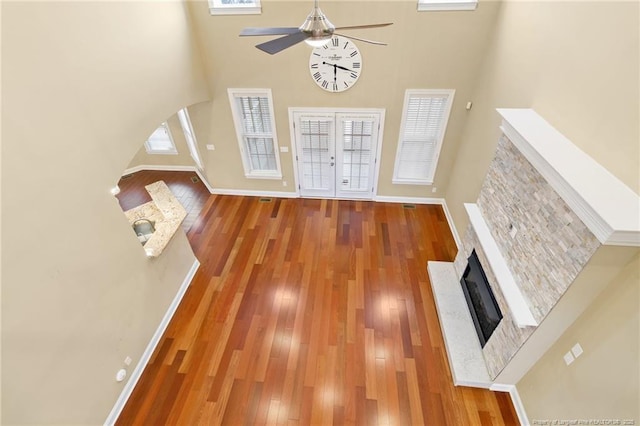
x: 191, y: 194
x: 310, y: 312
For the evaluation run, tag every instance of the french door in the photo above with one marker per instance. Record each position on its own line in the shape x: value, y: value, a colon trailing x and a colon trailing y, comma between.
x: 336, y: 153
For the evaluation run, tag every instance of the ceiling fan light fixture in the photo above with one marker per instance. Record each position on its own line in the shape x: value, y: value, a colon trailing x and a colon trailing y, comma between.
x: 318, y: 27
x: 318, y: 41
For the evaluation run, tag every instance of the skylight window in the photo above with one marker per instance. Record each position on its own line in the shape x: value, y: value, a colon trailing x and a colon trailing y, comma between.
x: 235, y: 7
x: 434, y: 5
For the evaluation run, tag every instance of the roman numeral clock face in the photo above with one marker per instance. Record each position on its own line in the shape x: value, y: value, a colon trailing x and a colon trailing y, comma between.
x: 336, y: 66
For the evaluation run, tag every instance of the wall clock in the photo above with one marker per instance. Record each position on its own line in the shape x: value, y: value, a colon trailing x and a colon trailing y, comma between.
x: 336, y: 66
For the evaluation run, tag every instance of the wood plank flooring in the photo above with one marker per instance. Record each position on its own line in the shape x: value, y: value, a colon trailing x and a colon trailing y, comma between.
x: 191, y: 194
x: 310, y: 312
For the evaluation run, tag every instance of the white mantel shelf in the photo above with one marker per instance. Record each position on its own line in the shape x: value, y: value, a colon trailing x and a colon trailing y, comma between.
x: 609, y: 208
x: 518, y: 305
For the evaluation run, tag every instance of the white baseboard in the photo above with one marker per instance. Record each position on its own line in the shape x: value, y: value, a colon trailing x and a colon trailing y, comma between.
x: 146, y: 355
x: 170, y: 169
x: 515, y: 399
x: 254, y: 193
x: 411, y: 200
x: 454, y: 231
x: 425, y: 200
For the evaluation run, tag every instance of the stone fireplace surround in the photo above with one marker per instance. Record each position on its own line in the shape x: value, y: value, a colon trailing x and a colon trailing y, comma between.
x: 546, y: 213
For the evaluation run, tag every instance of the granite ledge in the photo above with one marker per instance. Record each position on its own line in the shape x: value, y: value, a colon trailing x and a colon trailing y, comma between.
x: 466, y: 361
x: 167, y: 213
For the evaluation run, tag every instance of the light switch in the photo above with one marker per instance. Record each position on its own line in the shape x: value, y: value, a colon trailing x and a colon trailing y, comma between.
x: 568, y: 358
x: 211, y: 147
x: 577, y: 350
x: 284, y: 149
x: 513, y: 231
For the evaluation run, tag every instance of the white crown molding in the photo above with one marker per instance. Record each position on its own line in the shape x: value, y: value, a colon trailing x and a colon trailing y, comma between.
x: 155, y: 339
x: 170, y: 169
x: 609, y: 208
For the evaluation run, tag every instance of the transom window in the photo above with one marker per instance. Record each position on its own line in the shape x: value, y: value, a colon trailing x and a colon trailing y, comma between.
x: 161, y: 141
x: 424, y: 121
x: 427, y: 5
x: 234, y: 7
x: 255, y: 127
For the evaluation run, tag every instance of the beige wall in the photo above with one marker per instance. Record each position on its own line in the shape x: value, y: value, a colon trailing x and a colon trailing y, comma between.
x: 182, y: 158
x: 603, y: 382
x: 426, y: 50
x: 576, y: 64
x: 83, y: 84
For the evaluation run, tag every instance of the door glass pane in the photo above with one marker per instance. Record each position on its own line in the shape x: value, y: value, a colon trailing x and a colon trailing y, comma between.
x: 315, y: 154
x: 357, y: 156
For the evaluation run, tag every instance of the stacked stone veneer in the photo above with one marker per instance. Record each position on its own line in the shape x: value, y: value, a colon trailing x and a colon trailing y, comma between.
x: 548, y: 251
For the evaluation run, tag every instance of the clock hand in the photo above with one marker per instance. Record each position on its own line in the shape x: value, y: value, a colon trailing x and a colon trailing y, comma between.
x: 335, y: 70
x: 337, y: 66
x: 343, y: 68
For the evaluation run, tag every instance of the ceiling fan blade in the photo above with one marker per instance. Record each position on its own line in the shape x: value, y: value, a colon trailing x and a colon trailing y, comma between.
x: 362, y: 39
x: 254, y: 31
x: 353, y: 27
x: 279, y: 44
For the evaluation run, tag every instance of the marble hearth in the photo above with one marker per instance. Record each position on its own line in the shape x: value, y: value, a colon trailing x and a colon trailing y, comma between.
x: 546, y: 214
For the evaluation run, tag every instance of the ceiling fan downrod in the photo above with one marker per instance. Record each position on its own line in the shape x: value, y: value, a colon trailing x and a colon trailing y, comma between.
x: 318, y: 27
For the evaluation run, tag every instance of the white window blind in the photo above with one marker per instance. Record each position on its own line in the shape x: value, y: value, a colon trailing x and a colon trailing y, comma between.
x: 424, y: 120
x: 253, y: 116
x: 434, y: 5
x: 160, y: 141
x: 234, y: 7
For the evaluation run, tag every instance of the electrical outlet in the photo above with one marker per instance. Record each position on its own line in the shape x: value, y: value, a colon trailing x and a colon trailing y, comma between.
x: 513, y: 231
x: 284, y: 149
x: 284, y: 183
x: 434, y: 189
x: 127, y: 361
x: 568, y: 358
x: 211, y: 147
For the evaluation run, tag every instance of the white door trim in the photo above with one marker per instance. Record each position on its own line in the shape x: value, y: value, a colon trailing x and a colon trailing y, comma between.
x: 326, y: 110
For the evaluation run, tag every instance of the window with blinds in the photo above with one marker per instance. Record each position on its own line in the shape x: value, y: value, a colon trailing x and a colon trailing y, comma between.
x: 234, y: 7
x: 253, y: 118
x: 161, y: 141
x: 437, y: 5
x: 424, y: 121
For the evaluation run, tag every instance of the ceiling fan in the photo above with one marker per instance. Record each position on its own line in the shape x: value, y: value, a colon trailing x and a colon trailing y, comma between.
x: 316, y: 30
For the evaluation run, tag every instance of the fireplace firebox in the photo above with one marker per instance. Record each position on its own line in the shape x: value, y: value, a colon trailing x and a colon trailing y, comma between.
x: 484, y: 309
